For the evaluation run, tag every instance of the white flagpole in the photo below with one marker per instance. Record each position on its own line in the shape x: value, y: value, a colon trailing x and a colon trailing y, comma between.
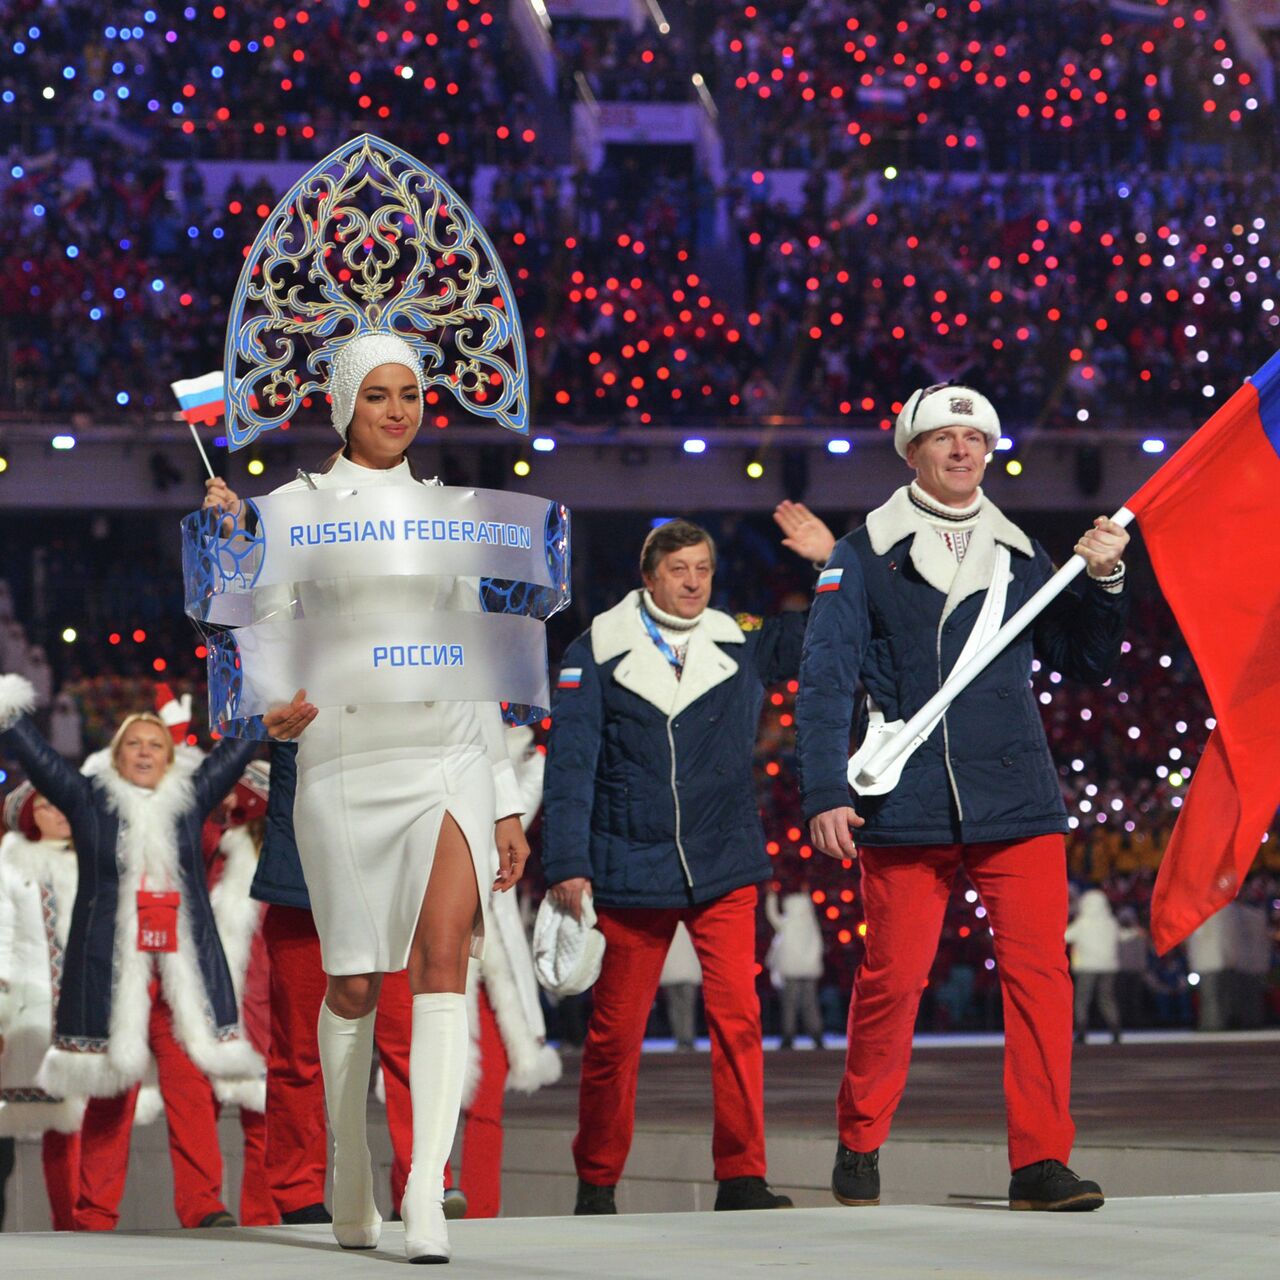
x: 963, y: 676
x: 195, y: 435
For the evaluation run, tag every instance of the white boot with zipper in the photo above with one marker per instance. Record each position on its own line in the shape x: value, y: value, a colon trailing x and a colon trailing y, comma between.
x: 437, y: 1068
x: 346, y: 1053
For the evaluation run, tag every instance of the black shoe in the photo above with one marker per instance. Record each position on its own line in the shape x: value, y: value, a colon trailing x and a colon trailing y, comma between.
x: 1050, y: 1185
x: 856, y: 1177
x: 455, y: 1204
x: 749, y: 1193
x: 593, y: 1199
x: 220, y: 1219
x: 308, y: 1215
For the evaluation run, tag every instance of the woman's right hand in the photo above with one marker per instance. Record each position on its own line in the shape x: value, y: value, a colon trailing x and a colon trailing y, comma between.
x: 217, y: 493
x: 287, y: 721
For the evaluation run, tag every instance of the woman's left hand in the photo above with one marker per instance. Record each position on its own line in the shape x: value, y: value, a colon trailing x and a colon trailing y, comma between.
x: 513, y: 852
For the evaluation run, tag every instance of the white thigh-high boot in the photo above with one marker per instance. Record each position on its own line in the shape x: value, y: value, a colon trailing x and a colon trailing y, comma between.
x: 346, y: 1051
x: 437, y: 1067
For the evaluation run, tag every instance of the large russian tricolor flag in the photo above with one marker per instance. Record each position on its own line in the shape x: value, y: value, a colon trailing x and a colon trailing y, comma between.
x: 1209, y: 518
x: 201, y: 399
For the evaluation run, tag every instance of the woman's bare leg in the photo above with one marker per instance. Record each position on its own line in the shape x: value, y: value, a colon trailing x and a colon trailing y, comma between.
x: 438, y: 1049
x: 442, y: 939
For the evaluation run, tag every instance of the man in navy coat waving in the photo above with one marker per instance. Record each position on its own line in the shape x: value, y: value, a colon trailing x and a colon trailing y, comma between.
x: 650, y: 808
x: 897, y: 608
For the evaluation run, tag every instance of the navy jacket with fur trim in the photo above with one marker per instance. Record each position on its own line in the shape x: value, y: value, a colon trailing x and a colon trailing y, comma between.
x: 649, y: 788
x: 100, y: 1044
x: 985, y: 773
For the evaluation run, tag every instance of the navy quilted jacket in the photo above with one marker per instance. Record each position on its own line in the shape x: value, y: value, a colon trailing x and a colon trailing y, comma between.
x: 649, y: 788
x: 985, y: 774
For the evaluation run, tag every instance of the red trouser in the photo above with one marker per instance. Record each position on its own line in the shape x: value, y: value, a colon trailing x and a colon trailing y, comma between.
x: 482, y: 1128
x: 1023, y: 886
x: 193, y: 1137
x: 257, y: 1205
x: 724, y: 936
x: 296, y: 1142
x: 61, y: 1158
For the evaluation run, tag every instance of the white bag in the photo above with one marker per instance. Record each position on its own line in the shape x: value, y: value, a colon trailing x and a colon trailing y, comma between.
x: 567, y: 953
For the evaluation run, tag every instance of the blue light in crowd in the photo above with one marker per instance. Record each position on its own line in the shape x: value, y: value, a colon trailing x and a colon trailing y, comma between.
x: 72, y: 251
x: 122, y: 92
x: 220, y: 442
x: 19, y: 47
x: 1153, y: 445
x: 138, y: 33
x: 117, y: 68
x: 193, y: 232
x: 252, y: 46
x: 17, y: 171
x: 189, y: 13
x: 117, y: 292
x: 838, y: 446
x: 99, y: 95
x: 126, y: 244
x: 543, y: 444
x: 177, y: 108
x: 4, y: 777
x: 153, y: 105
x: 95, y: 313
x: 157, y: 286
x: 109, y: 32
x: 1004, y: 444
x: 218, y: 233
x: 1122, y: 191
x: 63, y: 442
x: 33, y: 33
x: 216, y: 72
x: 149, y: 16
x: 8, y: 95
x: 122, y: 397
x: 68, y: 73
x: 659, y: 521
x: 694, y: 445
x: 38, y: 210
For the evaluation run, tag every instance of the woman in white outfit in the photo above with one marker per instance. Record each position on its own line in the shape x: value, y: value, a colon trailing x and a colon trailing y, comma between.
x: 398, y: 810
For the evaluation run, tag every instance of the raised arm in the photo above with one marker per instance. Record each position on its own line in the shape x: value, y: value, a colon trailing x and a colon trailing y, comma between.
x: 52, y: 775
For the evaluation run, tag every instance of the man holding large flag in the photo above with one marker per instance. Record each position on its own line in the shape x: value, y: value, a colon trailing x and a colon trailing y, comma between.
x: 904, y: 600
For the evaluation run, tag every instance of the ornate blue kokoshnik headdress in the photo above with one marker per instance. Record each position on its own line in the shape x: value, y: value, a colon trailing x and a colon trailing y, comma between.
x: 369, y: 243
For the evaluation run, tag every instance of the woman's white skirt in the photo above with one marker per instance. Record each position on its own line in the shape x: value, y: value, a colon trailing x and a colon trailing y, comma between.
x: 367, y: 826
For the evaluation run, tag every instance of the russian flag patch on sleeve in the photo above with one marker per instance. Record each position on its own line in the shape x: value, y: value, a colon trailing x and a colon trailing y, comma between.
x: 570, y: 678
x: 829, y: 580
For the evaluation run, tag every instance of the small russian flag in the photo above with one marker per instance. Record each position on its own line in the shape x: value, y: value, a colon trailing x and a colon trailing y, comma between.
x: 829, y: 580
x: 201, y: 399
x: 570, y: 678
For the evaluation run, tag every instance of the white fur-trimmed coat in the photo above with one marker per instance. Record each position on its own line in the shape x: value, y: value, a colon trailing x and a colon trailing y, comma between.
x: 37, y: 890
x: 121, y: 834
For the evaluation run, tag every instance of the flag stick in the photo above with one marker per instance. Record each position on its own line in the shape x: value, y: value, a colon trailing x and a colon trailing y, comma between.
x: 204, y: 456
x: 963, y: 676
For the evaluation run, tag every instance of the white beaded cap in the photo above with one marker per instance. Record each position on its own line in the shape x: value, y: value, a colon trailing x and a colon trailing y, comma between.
x: 356, y: 361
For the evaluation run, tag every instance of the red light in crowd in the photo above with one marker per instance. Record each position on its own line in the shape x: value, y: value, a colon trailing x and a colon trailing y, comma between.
x: 139, y: 636
x: 844, y: 937
x: 114, y: 638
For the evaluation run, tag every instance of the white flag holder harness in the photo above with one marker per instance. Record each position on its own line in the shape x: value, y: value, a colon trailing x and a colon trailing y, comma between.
x: 890, y: 745
x: 880, y: 732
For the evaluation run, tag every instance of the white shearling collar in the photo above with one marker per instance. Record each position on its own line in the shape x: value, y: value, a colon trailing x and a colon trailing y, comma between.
x: 643, y: 670
x: 899, y: 518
